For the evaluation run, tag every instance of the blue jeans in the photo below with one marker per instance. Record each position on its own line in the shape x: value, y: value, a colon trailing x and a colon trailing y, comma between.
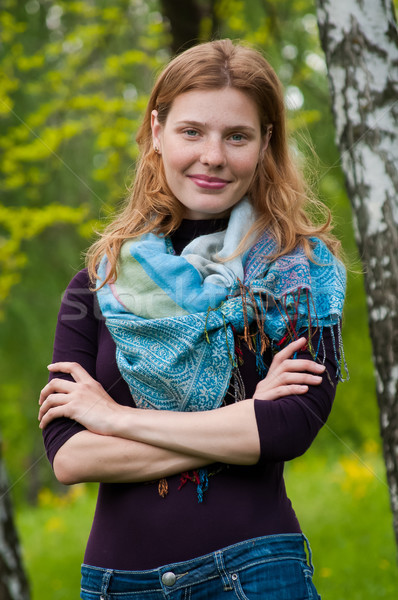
x: 271, y: 568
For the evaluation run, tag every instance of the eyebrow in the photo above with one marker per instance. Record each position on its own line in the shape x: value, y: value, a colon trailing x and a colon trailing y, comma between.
x: 247, y: 128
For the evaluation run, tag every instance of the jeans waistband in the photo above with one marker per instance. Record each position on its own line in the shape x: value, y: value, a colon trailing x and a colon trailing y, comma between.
x: 220, y: 563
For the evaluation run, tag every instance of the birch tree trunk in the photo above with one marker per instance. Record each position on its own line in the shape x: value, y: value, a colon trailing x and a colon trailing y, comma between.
x: 13, y: 582
x: 360, y: 41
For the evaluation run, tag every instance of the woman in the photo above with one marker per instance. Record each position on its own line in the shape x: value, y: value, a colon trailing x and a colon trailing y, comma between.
x: 208, y: 285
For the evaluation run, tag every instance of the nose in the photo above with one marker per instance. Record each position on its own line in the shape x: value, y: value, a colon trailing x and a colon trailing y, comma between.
x: 213, y: 153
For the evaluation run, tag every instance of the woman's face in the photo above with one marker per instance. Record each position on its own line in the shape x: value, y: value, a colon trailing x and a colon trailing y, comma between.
x: 210, y: 146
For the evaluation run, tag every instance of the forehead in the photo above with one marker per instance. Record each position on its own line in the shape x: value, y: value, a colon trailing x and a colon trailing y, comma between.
x: 222, y: 106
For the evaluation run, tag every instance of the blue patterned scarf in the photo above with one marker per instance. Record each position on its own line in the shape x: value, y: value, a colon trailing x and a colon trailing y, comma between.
x: 173, y: 318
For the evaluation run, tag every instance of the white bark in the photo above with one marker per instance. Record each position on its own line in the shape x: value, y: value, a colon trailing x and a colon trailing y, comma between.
x: 13, y: 582
x: 360, y: 41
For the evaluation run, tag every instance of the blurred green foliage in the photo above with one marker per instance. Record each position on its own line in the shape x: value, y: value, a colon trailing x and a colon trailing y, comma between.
x: 74, y: 78
x: 73, y: 81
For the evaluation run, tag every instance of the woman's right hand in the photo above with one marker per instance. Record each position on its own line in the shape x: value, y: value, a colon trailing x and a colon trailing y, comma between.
x: 287, y: 376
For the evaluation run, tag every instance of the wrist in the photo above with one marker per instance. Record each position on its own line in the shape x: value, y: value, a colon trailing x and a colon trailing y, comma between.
x: 122, y: 424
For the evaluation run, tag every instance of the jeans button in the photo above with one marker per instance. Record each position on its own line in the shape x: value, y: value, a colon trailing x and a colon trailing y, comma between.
x: 169, y: 578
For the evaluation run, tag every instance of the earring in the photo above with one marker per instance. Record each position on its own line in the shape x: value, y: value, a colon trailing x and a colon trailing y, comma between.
x: 156, y: 148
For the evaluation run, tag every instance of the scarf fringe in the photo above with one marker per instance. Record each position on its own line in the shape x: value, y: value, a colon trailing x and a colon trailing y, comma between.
x: 258, y: 342
x: 200, y: 478
x: 163, y: 487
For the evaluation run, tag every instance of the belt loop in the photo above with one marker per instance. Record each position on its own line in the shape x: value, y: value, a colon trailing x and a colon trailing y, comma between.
x: 218, y: 559
x: 309, y: 553
x: 105, y: 583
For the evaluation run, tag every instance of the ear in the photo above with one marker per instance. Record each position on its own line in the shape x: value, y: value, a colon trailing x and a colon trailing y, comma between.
x: 266, y: 139
x: 156, y: 131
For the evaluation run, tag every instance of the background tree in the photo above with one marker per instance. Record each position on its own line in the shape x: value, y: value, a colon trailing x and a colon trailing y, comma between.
x: 13, y: 580
x: 360, y: 41
x: 190, y: 21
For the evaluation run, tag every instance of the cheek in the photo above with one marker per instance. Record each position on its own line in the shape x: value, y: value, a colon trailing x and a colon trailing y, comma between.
x: 176, y: 161
x: 246, y: 167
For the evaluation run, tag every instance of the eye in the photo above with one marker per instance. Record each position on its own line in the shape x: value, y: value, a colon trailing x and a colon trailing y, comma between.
x: 191, y: 132
x: 237, y: 137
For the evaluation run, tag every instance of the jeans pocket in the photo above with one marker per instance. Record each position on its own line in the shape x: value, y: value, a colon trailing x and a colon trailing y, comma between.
x: 274, y: 580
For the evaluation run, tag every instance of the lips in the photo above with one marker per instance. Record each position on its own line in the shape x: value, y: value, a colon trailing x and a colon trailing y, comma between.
x: 206, y: 182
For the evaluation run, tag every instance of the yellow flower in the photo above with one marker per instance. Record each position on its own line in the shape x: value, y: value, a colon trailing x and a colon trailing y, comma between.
x: 55, y: 524
x: 371, y: 447
x: 356, y: 475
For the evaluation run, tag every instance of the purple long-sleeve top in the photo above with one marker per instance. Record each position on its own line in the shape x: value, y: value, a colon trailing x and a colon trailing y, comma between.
x: 134, y: 527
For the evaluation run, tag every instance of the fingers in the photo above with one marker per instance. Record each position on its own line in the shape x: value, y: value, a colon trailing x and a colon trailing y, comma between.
x: 283, y: 360
x: 53, y: 406
x: 290, y: 376
x: 53, y: 413
x: 280, y: 392
x: 291, y: 349
x: 286, y: 378
x: 301, y: 364
x: 78, y: 373
x: 52, y: 400
x: 56, y: 386
x: 298, y: 365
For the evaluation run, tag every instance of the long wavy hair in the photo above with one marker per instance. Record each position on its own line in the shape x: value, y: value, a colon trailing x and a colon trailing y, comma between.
x: 281, y: 199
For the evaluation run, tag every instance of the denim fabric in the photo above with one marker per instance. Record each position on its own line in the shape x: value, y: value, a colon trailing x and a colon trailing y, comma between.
x: 271, y: 568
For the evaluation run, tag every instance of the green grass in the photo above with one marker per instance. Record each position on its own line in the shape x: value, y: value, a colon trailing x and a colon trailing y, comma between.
x: 53, y: 537
x: 343, y: 508
x: 341, y: 502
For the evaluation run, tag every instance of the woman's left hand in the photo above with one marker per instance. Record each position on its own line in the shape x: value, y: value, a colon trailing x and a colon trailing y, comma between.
x: 287, y: 376
x: 83, y: 400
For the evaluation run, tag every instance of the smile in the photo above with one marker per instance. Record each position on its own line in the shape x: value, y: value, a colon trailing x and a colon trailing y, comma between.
x: 210, y: 183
